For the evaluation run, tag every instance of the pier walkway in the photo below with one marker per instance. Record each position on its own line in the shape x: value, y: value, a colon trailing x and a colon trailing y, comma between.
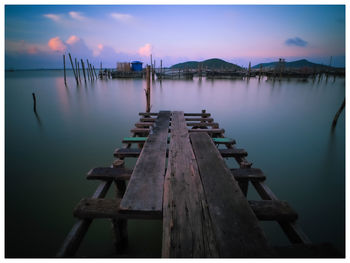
x: 181, y: 178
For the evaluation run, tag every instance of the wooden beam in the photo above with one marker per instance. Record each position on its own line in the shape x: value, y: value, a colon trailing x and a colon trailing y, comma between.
x: 236, y: 228
x: 187, y: 229
x: 248, y: 174
x: 186, y: 114
x: 144, y: 193
x: 135, y: 152
x: 273, y: 210
x: 108, y: 173
x: 97, y: 208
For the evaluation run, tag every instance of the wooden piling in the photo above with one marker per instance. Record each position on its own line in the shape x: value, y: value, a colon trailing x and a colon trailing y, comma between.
x: 94, y: 71
x: 79, y: 72
x: 75, y: 75
x: 64, y: 69
x: 34, y: 100
x: 82, y: 65
x: 148, y: 88
x: 335, y: 120
x: 89, y: 71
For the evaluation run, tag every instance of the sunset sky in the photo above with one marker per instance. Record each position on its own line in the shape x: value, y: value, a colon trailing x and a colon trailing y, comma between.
x: 37, y: 36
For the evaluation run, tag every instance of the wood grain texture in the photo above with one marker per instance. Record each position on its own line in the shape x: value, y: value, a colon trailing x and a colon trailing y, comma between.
x: 273, y: 210
x: 187, y: 229
x: 108, y: 173
x: 144, y: 194
x: 236, y: 228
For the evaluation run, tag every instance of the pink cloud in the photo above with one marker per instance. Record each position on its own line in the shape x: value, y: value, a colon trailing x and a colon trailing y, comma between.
x: 56, y: 44
x: 72, y: 40
x: 77, y: 15
x: 53, y: 17
x: 146, y: 50
x: 32, y: 50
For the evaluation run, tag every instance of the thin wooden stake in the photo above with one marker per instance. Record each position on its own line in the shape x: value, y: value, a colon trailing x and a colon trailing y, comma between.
x: 34, y: 100
x: 82, y: 65
x: 148, y: 88
x: 64, y: 69
x: 335, y: 120
x: 75, y: 75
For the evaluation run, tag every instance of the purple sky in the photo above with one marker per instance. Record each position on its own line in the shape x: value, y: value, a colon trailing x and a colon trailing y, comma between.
x: 37, y: 36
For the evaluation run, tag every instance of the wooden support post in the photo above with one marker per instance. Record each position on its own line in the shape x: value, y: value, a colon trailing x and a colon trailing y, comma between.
x: 34, y: 100
x: 148, y: 88
x: 335, y: 120
x: 75, y: 75
x: 64, y: 69
x: 79, y: 73
x: 82, y: 65
x: 153, y: 69
x: 94, y: 71
x: 120, y: 226
x: 161, y: 69
x: 88, y: 68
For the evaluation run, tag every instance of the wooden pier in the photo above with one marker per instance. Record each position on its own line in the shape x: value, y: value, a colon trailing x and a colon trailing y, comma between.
x: 181, y: 178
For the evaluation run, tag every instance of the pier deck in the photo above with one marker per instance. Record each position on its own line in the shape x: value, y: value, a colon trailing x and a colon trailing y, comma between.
x: 181, y: 178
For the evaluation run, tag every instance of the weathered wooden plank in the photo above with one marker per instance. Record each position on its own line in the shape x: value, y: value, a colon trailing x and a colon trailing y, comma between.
x: 108, y: 173
x: 124, y: 153
x: 251, y: 174
x: 134, y: 139
x: 143, y: 124
x: 200, y: 119
x: 236, y: 227
x: 187, y: 230
x: 273, y: 210
x: 233, y: 152
x: 148, y: 119
x: 186, y: 114
x: 203, y: 124
x: 227, y: 141
x: 140, y: 130
x: 291, y: 229
x: 90, y: 208
x: 210, y: 131
x: 135, y: 152
x: 144, y: 194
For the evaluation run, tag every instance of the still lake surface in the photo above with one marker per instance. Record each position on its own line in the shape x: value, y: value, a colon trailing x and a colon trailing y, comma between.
x: 284, y: 126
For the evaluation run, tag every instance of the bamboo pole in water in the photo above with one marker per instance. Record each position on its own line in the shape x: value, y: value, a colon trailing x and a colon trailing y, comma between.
x: 335, y: 120
x: 148, y: 88
x: 82, y: 65
x: 94, y: 71
x: 34, y: 100
x: 64, y: 69
x: 75, y: 75
x: 79, y: 72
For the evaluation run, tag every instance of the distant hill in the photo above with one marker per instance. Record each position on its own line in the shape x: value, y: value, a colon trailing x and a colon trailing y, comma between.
x: 213, y: 63
x: 298, y: 64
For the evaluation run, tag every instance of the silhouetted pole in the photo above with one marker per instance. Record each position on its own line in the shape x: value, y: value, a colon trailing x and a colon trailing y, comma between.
x: 148, y: 88
x: 94, y: 71
x: 82, y: 65
x: 79, y: 72
x: 334, y: 123
x: 75, y: 75
x: 34, y: 100
x: 161, y: 69
x: 64, y: 70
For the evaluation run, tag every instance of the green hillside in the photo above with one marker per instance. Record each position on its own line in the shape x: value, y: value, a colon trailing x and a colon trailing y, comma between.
x: 214, y: 64
x: 302, y: 63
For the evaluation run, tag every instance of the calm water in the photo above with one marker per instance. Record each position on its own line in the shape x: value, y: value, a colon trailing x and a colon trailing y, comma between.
x: 284, y: 126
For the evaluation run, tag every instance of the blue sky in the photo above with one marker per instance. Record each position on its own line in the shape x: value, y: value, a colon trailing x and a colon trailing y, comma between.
x: 37, y: 36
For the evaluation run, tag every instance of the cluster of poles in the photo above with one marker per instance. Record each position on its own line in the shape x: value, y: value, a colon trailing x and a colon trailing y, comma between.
x: 89, y: 71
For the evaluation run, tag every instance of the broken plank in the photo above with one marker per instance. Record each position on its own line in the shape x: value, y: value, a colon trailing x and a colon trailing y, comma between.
x: 236, y: 228
x: 200, y: 119
x: 187, y: 229
x: 109, y: 173
x: 89, y: 208
x: 273, y: 210
x: 186, y: 114
x: 210, y: 131
x: 144, y: 193
x: 233, y: 152
x: 143, y: 124
x: 251, y: 174
x: 203, y: 124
